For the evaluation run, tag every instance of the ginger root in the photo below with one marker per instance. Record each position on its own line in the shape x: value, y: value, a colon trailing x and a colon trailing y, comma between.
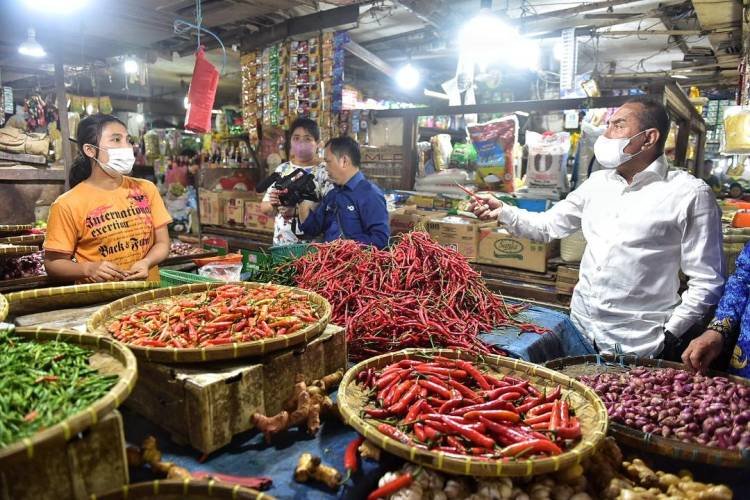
x: 309, y: 467
x: 303, y: 408
x: 150, y: 454
x: 640, y: 473
x: 369, y: 451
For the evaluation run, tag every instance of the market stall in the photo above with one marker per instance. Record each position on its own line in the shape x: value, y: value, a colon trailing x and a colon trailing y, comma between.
x: 176, y: 346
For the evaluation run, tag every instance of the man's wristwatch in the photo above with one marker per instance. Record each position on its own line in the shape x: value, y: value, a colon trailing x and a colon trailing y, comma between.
x: 724, y: 327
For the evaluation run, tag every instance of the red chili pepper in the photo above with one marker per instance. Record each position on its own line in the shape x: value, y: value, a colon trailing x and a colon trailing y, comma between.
x: 385, y: 380
x: 351, y: 456
x: 396, y: 393
x: 394, y: 433
x: 532, y: 447
x: 431, y: 433
x: 510, y: 396
x: 538, y: 419
x: 528, y: 405
x: 436, y: 388
x: 554, y: 421
x: 377, y: 412
x: 419, y: 432
x: 400, y: 407
x: 474, y: 373
x: 504, y: 434
x: 538, y: 410
x: 489, y: 405
x: 414, y: 411
x: 469, y: 433
x: 503, y: 415
x: 564, y: 414
x: 496, y: 393
x: 555, y: 394
x: 465, y: 391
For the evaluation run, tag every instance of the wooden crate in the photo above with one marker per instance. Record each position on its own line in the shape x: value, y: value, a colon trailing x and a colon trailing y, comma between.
x: 206, y: 405
x: 90, y: 463
x: 567, y: 278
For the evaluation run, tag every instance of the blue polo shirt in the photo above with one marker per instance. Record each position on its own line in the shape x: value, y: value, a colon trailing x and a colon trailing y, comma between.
x: 355, y: 211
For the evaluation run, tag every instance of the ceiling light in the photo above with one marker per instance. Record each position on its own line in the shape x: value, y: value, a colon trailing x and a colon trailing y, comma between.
x: 186, y: 102
x: 407, y: 77
x: 680, y: 76
x: 30, y: 47
x: 130, y: 66
x: 482, y: 38
x: 66, y: 7
x: 139, y: 118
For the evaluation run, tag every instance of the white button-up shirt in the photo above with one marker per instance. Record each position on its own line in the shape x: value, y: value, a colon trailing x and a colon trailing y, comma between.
x: 639, y: 236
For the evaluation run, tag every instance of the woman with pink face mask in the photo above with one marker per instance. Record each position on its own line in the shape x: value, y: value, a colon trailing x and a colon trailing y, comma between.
x: 303, y: 142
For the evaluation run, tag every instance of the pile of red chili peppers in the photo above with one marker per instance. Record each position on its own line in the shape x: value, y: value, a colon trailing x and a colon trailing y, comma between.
x: 227, y: 314
x: 417, y: 294
x: 452, y: 406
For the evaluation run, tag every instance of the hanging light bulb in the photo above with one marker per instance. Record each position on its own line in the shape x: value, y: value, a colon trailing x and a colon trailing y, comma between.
x: 30, y: 47
x: 130, y: 66
x: 407, y: 77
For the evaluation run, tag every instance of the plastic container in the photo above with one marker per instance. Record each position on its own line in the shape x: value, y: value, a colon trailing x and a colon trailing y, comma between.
x: 532, y: 205
x: 176, y: 278
x: 283, y: 252
x: 741, y: 219
x: 572, y: 247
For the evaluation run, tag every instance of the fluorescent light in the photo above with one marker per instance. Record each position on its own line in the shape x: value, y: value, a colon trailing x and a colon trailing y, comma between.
x: 130, y: 66
x: 436, y: 95
x: 30, y: 47
x: 216, y: 112
x: 186, y: 102
x: 485, y: 38
x: 680, y: 76
x: 407, y: 77
x: 65, y: 7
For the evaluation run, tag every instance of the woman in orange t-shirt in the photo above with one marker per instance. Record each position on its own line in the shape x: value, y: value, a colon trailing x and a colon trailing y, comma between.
x: 108, y: 227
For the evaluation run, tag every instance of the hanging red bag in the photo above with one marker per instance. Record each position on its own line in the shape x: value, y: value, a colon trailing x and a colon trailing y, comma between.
x: 201, y: 94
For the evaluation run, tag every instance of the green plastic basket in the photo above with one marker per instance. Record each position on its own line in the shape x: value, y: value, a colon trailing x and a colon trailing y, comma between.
x: 283, y: 252
x: 176, y: 278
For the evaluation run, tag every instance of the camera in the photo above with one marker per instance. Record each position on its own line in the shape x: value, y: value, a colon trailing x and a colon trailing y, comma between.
x: 293, y: 188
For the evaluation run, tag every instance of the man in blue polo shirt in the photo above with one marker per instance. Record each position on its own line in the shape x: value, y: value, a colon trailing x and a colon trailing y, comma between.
x: 354, y: 209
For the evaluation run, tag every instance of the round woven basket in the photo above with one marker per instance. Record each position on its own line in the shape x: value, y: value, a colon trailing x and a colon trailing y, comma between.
x: 16, y: 250
x: 3, y: 307
x: 98, y: 322
x: 592, y: 364
x: 185, y: 490
x: 64, y: 297
x: 24, y: 239
x: 588, y: 408
x: 14, y: 228
x: 108, y: 357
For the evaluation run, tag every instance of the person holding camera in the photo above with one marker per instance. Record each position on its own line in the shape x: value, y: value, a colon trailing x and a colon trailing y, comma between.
x: 302, y: 144
x: 354, y: 209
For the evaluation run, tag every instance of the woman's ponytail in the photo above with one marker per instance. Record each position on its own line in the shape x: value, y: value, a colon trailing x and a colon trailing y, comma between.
x: 89, y: 132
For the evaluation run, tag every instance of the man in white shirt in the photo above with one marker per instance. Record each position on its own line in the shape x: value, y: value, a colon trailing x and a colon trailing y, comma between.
x: 643, y: 224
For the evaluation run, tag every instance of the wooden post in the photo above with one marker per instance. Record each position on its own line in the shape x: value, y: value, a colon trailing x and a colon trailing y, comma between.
x: 409, y: 169
x: 683, y: 139
x: 62, y: 108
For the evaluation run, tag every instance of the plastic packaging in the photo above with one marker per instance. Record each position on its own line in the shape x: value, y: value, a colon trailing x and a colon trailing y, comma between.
x: 548, y: 159
x: 201, y: 94
x: 441, y: 151
x: 494, y: 142
x: 221, y: 271
x: 737, y: 130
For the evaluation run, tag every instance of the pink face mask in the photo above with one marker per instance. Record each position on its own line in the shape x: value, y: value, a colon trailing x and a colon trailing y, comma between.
x: 303, y: 151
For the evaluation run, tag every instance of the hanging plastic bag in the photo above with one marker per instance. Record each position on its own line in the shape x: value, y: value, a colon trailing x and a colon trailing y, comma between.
x: 201, y: 94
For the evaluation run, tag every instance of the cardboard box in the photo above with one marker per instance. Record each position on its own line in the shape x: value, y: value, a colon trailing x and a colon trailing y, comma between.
x: 210, y: 207
x: 405, y: 219
x: 255, y: 219
x: 497, y: 247
x: 567, y: 278
x: 458, y: 233
x: 233, y: 206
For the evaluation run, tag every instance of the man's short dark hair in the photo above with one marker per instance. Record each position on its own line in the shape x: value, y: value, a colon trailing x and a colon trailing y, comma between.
x: 345, y: 146
x: 310, y: 126
x: 654, y: 115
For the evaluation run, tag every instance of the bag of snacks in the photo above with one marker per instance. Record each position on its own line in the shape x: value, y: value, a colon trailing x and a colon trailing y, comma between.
x: 494, y: 142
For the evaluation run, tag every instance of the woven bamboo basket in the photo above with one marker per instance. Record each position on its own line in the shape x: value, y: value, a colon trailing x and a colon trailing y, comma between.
x: 3, y: 307
x: 588, y: 408
x: 183, y: 490
x: 65, y: 297
x: 24, y: 239
x: 98, y: 322
x: 16, y: 250
x: 14, y: 228
x: 693, y: 452
x: 108, y: 357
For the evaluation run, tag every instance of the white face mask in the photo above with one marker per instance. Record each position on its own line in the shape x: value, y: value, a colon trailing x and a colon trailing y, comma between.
x: 610, y: 153
x: 121, y: 161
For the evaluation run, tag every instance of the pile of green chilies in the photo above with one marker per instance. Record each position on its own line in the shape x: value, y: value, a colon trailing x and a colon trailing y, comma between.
x: 41, y: 384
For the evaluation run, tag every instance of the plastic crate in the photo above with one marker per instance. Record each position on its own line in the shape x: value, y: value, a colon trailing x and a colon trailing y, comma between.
x: 176, y: 278
x: 295, y: 251
x: 533, y: 205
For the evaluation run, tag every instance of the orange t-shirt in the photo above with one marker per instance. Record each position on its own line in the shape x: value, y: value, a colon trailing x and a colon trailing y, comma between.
x: 95, y: 224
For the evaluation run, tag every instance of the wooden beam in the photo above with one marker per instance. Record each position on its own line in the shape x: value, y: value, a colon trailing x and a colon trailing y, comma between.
x: 340, y: 18
x: 62, y: 106
x: 572, y: 11
x: 365, y: 55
